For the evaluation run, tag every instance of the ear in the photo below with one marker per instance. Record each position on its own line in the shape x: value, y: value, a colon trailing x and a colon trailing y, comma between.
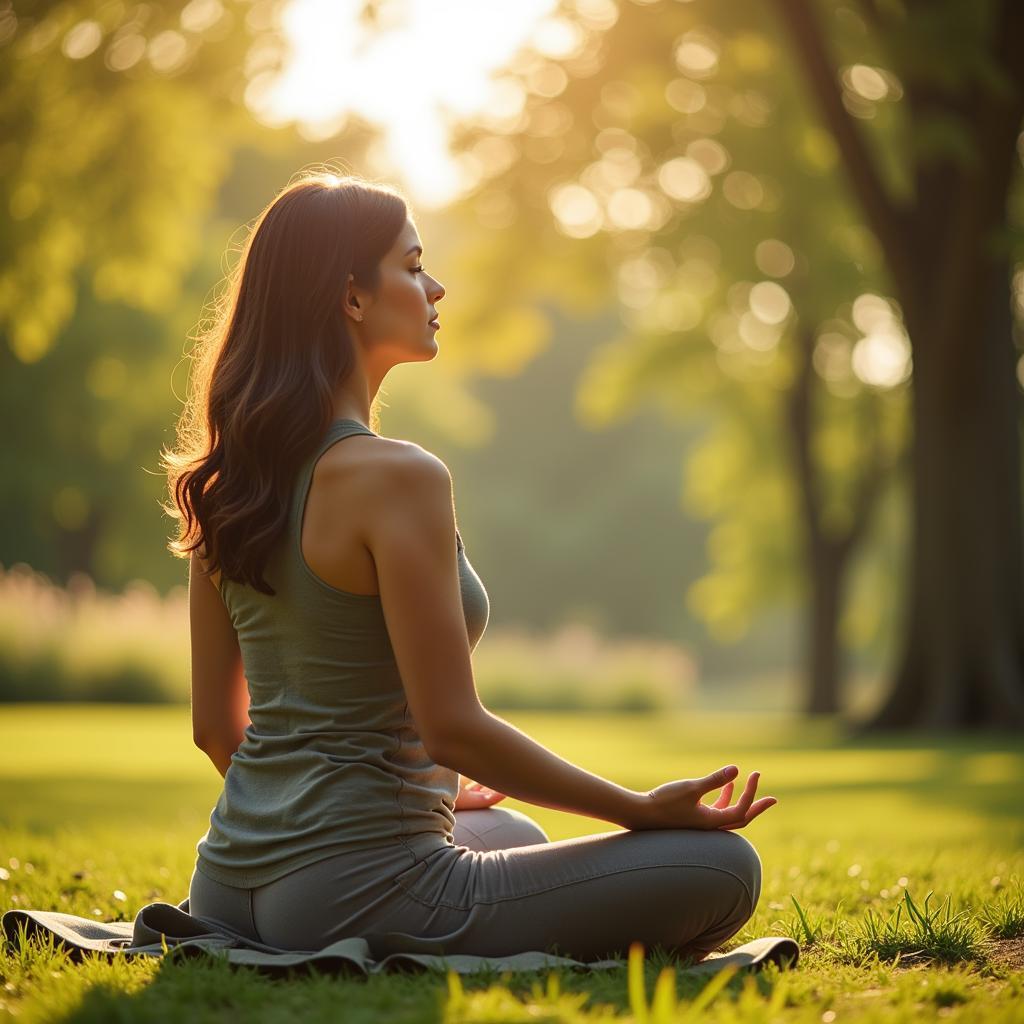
x: 350, y: 305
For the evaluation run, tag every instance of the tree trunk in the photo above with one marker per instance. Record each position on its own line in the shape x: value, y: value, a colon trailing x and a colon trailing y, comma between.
x: 962, y: 664
x: 823, y: 671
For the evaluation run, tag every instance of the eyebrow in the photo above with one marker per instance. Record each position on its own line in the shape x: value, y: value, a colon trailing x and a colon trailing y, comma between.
x: 415, y: 248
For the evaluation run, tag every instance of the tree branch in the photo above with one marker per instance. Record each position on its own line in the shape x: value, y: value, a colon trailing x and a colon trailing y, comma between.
x: 979, y: 206
x: 884, y: 217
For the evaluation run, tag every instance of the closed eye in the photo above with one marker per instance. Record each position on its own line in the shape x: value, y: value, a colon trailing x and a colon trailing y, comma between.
x: 417, y: 269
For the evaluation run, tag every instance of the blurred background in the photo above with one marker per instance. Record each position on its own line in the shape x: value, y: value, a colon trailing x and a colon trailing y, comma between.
x: 730, y: 363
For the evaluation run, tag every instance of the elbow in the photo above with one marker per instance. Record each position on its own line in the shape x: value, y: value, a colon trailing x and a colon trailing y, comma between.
x: 205, y: 741
x: 436, y: 747
x: 440, y: 753
x: 201, y: 729
x: 448, y: 745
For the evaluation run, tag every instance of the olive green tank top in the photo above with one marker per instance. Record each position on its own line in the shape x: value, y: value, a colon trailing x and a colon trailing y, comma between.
x: 332, y: 759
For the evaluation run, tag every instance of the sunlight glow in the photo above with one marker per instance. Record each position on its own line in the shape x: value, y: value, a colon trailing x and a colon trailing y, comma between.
x: 882, y: 358
x: 422, y: 65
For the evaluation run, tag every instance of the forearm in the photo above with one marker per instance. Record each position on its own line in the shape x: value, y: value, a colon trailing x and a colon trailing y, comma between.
x: 494, y: 752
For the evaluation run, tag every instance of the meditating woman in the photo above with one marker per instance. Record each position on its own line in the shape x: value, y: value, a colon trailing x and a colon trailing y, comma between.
x: 333, y: 615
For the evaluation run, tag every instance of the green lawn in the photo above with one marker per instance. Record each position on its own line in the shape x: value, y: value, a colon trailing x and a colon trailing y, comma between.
x: 102, y: 806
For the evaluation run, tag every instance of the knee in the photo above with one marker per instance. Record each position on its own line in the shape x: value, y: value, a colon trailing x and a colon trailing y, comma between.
x: 497, y: 828
x: 523, y: 828
x: 511, y: 827
x: 744, y: 862
x: 740, y: 861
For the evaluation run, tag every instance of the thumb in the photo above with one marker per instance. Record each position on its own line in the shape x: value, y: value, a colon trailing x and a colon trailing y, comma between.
x: 717, y: 779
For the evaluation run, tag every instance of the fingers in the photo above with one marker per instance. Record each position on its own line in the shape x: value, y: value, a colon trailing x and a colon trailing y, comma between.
x: 473, y: 795
x: 738, y: 811
x: 471, y: 800
x: 755, y: 809
x: 725, y: 797
x: 477, y: 787
x: 747, y: 796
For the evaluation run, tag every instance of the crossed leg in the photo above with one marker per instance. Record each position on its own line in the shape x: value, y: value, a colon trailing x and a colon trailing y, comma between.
x: 505, y: 886
x: 494, y: 828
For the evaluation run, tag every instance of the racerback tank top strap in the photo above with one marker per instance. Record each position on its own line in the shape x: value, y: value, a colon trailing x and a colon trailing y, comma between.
x: 309, y: 586
x: 335, y: 432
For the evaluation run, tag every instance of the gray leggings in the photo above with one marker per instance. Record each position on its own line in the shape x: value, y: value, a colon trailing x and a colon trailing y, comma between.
x: 504, y: 887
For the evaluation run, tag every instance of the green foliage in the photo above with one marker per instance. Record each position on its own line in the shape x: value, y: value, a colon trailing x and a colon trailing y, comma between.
x: 113, y: 230
x: 115, y: 159
x: 121, y: 121
x: 85, y: 644
x: 81, y: 643
x: 774, y: 213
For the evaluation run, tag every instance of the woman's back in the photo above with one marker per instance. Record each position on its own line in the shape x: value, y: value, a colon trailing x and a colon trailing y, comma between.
x: 332, y: 759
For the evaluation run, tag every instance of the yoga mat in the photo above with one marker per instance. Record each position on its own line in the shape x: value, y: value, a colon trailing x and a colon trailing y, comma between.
x: 161, y: 929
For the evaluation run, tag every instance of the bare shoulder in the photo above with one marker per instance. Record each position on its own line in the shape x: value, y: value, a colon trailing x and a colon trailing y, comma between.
x: 385, y: 478
x: 383, y: 461
x: 409, y: 477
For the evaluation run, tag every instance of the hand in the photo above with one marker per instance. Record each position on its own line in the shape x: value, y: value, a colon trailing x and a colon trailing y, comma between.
x: 472, y: 795
x: 678, y: 804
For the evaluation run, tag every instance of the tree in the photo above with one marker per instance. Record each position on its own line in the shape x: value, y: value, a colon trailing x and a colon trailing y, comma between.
x: 670, y: 165
x: 120, y: 123
x: 654, y: 143
x: 950, y: 257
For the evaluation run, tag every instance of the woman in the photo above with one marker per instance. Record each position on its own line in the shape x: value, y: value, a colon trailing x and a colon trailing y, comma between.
x: 333, y: 613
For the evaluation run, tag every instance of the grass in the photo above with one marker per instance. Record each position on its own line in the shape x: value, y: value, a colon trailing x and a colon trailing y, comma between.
x: 896, y: 863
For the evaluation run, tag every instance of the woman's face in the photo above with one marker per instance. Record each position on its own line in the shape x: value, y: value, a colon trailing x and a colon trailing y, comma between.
x: 395, y: 321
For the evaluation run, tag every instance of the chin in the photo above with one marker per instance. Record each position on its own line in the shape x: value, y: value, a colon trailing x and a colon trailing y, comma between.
x: 422, y: 354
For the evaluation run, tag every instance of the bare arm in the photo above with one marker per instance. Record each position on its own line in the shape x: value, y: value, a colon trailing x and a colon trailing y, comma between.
x: 499, y: 755
x: 220, y: 755
x: 410, y: 530
x: 219, y: 691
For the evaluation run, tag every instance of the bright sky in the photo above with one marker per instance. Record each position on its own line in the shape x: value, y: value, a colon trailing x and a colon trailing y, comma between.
x: 427, y: 62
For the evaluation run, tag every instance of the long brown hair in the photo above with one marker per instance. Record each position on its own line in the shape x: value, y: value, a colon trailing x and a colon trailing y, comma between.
x: 264, y: 373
